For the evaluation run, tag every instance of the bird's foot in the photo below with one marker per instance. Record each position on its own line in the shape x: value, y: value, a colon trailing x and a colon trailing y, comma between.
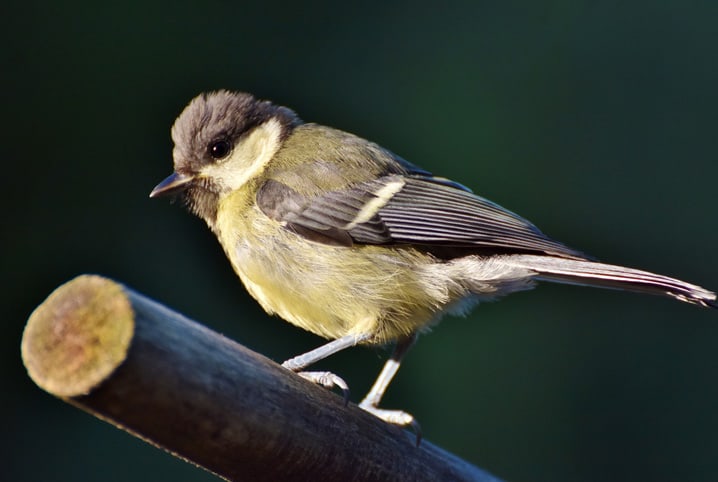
x: 327, y: 380
x: 394, y: 417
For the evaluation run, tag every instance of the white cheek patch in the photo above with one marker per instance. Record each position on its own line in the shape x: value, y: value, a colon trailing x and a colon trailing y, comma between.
x: 248, y: 158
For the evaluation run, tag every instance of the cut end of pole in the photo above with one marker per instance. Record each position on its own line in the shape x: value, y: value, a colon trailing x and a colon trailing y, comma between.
x: 78, y: 336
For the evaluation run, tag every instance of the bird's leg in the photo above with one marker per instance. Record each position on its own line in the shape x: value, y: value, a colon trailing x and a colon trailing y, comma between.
x: 372, y: 399
x: 326, y: 379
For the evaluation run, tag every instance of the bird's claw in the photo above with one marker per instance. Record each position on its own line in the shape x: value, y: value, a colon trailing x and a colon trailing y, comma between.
x: 327, y: 380
x: 395, y: 417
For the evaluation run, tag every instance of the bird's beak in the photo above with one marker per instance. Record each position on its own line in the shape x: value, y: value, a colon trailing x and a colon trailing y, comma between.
x: 173, y: 184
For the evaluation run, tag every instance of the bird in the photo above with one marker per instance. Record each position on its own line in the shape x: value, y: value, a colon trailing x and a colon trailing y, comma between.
x: 347, y: 240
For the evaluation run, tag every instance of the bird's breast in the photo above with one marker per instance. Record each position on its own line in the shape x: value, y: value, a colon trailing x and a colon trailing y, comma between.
x: 331, y: 291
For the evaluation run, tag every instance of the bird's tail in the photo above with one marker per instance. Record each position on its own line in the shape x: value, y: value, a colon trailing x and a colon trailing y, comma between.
x: 591, y: 273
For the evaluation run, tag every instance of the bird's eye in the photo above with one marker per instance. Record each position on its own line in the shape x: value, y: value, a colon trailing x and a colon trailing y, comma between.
x: 220, y: 149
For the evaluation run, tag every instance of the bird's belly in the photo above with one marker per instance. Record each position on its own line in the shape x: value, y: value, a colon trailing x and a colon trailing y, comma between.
x: 337, y: 291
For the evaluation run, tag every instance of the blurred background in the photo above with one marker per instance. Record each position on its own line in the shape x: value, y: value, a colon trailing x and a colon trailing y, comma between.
x: 595, y: 120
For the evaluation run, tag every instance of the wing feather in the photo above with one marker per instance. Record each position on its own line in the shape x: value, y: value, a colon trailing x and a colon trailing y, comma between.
x: 425, y: 211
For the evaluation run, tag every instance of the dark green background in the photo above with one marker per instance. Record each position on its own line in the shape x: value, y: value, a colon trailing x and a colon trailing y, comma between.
x: 596, y: 120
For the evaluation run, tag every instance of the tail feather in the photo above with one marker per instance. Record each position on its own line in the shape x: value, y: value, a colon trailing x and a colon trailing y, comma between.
x: 591, y: 273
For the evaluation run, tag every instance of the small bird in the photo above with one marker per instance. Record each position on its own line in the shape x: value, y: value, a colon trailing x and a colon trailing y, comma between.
x: 349, y: 241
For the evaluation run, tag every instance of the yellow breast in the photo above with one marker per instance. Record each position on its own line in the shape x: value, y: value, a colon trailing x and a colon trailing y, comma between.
x: 329, y: 290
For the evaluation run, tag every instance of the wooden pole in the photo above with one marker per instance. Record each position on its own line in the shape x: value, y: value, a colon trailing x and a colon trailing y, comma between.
x: 208, y: 400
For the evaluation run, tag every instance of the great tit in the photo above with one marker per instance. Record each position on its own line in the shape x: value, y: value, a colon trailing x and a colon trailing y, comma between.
x: 349, y: 241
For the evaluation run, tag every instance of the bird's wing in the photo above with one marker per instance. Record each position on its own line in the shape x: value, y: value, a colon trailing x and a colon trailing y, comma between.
x: 430, y: 212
